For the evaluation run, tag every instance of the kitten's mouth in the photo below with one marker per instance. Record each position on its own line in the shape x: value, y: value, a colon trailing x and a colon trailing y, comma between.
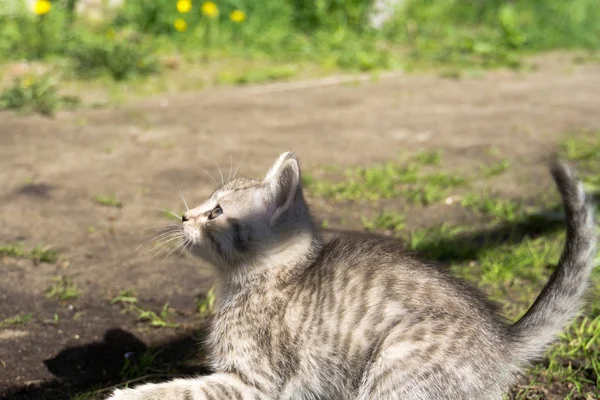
x: 191, y: 233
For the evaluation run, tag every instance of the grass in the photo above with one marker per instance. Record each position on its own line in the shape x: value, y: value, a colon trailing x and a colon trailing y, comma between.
x: 256, y: 75
x: 206, y: 304
x: 387, y: 220
x: 390, y: 180
x: 129, y: 302
x: 495, y: 169
x: 433, y: 157
x: 21, y: 319
x: 54, y: 321
x: 12, y: 250
x: 280, y: 39
x: 43, y: 254
x: 108, y: 200
x: 138, y: 365
x: 32, y: 94
x: 62, y: 288
x: 583, y: 149
x: 500, y: 209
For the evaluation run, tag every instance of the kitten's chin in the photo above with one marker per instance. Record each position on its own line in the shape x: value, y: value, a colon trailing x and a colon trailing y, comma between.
x: 197, y: 250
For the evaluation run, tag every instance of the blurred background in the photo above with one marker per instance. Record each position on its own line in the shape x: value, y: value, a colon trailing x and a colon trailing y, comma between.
x: 427, y: 120
x: 57, y: 43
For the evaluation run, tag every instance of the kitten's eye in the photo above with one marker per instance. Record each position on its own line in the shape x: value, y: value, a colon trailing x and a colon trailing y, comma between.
x: 215, y: 212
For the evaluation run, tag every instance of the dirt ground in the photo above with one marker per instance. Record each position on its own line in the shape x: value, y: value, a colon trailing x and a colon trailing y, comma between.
x: 51, y: 169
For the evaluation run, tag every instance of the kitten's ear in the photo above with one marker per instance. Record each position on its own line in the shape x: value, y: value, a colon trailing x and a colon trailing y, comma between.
x: 283, y: 182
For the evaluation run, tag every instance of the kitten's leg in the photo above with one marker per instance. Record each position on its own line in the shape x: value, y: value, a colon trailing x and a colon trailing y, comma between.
x: 409, y: 364
x: 211, y: 387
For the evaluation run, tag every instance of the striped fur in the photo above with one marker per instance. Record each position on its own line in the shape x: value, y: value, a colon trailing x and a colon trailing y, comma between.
x: 356, y: 318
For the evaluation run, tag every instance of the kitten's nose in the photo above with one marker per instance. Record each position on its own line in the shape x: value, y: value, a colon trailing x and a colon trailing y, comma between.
x: 184, y: 218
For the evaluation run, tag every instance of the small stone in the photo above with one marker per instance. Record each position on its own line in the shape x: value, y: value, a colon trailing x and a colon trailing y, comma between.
x: 452, y: 199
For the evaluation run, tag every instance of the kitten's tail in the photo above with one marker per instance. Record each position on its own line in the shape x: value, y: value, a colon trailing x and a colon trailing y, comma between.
x: 560, y: 300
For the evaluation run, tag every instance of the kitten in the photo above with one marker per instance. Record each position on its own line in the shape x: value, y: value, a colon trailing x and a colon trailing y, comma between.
x: 356, y: 318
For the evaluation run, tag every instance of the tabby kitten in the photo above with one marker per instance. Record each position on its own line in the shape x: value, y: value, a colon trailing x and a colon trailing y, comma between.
x: 356, y: 318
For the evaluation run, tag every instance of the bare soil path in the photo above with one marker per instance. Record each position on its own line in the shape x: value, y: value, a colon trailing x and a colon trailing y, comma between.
x: 51, y: 170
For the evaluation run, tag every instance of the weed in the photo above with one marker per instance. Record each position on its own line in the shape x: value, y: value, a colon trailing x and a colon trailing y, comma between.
x: 12, y: 250
x: 21, y: 319
x: 389, y: 180
x: 584, y: 151
x: 495, y: 169
x: 77, y: 316
x: 433, y: 188
x: 63, y: 288
x: 35, y: 94
x: 439, y: 243
x: 108, y: 200
x: 54, y: 321
x: 91, y: 395
x: 579, y: 149
x: 493, y: 33
x: 43, y: 254
x: 498, y: 208
x: 385, y: 220
x: 263, y: 74
x: 136, y: 366
x: 120, y: 58
x: 525, y: 261
x: 573, y: 361
x: 330, y: 33
x: 205, y: 305
x: 175, y: 215
x: 429, y: 157
x: 129, y: 303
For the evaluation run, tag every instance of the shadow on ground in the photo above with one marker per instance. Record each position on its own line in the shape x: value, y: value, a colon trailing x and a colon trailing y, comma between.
x: 467, y: 246
x: 94, y: 366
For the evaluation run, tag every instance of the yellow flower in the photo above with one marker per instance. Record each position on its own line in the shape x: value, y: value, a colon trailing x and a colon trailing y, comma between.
x: 237, y: 16
x: 27, y: 82
x: 210, y: 9
x: 184, y: 6
x: 42, y: 7
x: 110, y: 33
x: 180, y: 25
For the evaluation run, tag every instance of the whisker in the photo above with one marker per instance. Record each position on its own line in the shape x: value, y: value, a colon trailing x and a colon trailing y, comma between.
x: 159, y: 248
x: 157, y: 238
x: 187, y: 242
x: 172, y: 226
x: 210, y: 176
x: 182, y: 197
x: 239, y: 163
x: 165, y: 232
x: 177, y: 247
x: 220, y: 172
x: 230, y: 167
x: 162, y: 245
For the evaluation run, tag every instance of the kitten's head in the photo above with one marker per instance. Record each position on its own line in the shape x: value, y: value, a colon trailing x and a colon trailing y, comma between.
x: 253, y: 221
